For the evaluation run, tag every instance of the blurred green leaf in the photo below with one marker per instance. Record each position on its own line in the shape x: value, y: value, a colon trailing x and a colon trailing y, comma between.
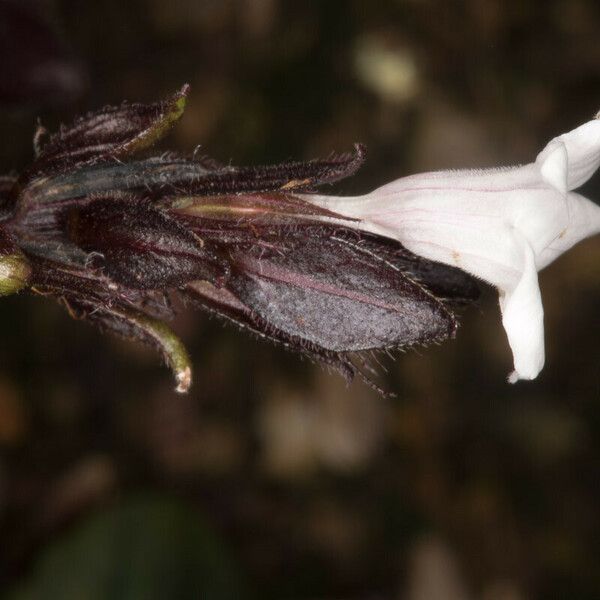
x: 147, y: 547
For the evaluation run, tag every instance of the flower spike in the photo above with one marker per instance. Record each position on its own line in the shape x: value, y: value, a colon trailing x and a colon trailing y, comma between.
x: 114, y: 239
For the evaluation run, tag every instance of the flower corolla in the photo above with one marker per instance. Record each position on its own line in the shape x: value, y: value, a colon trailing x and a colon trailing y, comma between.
x: 501, y: 225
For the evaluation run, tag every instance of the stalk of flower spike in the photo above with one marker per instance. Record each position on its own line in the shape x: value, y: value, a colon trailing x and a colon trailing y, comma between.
x: 500, y: 225
x: 115, y: 239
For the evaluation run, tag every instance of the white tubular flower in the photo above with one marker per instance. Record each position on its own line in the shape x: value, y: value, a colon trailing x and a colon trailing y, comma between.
x: 501, y: 225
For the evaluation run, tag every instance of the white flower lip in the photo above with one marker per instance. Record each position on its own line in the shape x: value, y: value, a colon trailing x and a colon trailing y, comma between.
x: 500, y: 225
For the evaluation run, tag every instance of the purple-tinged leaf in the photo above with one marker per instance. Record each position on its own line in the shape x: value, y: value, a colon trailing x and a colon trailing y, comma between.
x: 325, y: 296
x: 223, y: 303
x: 318, y: 292
x: 110, y: 133
x: 94, y: 288
x: 290, y: 176
x: 177, y: 182
x: 332, y: 294
x: 141, y: 247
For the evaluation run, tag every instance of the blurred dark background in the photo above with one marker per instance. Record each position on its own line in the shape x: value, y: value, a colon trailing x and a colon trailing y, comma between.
x: 272, y: 478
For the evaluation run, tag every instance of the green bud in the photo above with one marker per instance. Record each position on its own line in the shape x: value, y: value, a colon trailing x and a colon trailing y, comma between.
x: 14, y: 273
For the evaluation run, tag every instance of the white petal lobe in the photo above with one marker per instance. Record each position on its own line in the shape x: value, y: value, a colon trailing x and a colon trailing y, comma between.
x: 553, y: 163
x: 583, y: 152
x: 523, y: 321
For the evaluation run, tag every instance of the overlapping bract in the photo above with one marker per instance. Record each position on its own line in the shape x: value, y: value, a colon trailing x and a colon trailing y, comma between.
x: 115, y: 238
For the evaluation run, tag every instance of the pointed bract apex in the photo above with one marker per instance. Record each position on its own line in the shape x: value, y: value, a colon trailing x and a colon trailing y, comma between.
x: 169, y: 345
x: 321, y: 171
x: 313, y: 173
x: 113, y: 132
x: 133, y: 325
